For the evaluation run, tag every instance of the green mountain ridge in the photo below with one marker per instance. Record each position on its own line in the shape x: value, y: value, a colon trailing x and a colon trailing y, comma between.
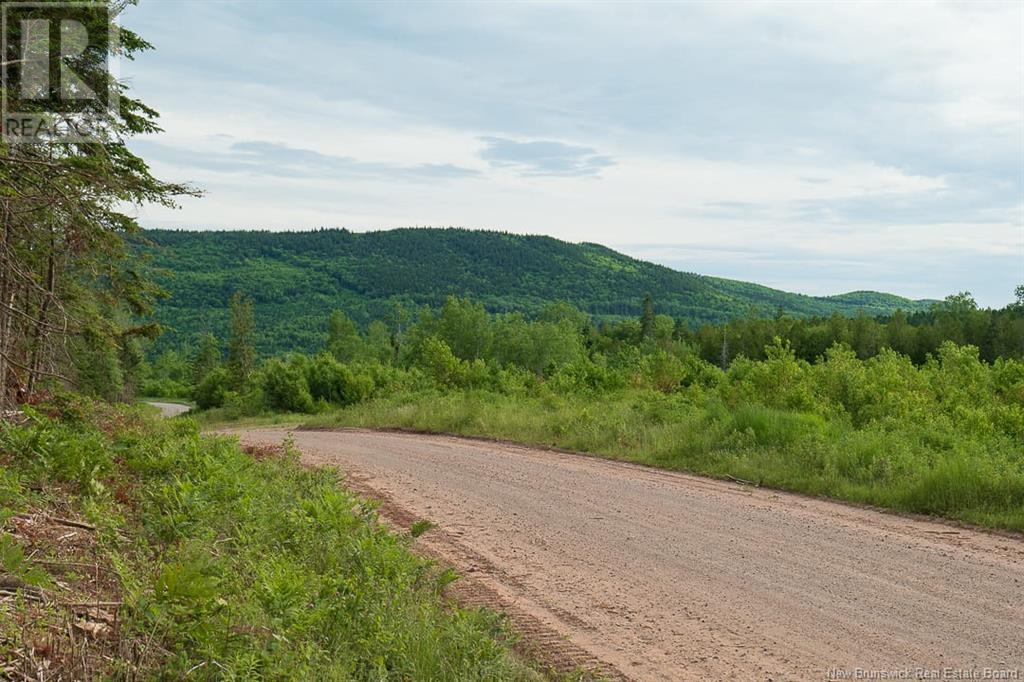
x: 297, y: 278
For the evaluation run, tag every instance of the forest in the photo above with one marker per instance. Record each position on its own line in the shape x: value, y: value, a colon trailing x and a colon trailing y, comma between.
x: 293, y: 276
x: 920, y: 412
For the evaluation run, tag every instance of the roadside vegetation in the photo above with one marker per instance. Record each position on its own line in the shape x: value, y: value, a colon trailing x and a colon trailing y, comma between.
x: 191, y: 558
x: 938, y: 433
x: 137, y: 549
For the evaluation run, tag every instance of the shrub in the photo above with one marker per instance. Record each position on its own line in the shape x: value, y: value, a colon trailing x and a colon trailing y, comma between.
x: 587, y: 376
x: 780, y: 381
x: 958, y: 376
x: 438, y: 360
x: 1008, y: 380
x: 213, y: 389
x: 165, y: 388
x: 663, y: 371
x: 285, y: 388
x: 895, y: 391
x: 333, y: 382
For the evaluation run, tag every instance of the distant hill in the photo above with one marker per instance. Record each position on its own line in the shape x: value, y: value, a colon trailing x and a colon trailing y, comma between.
x: 297, y: 278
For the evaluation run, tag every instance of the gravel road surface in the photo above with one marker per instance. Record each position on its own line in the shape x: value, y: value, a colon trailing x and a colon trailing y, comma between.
x: 170, y: 409
x: 657, y: 575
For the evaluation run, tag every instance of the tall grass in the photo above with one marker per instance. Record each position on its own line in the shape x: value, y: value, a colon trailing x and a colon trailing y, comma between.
x: 944, y: 438
x: 934, y: 468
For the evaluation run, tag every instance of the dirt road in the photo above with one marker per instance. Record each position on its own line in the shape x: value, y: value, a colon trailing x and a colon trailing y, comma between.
x: 170, y: 409
x: 668, y: 576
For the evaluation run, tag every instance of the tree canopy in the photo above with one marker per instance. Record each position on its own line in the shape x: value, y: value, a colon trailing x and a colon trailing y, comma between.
x: 297, y: 278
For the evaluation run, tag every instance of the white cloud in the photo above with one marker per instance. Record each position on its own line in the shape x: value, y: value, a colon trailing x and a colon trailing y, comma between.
x: 850, y: 131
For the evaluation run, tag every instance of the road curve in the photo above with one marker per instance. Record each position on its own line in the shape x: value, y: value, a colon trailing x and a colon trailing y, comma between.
x: 669, y: 576
x: 169, y: 409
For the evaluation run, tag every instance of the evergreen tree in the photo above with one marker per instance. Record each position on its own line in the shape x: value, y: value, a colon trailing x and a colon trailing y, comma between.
x: 206, y: 359
x: 67, y: 279
x: 241, y: 353
x: 647, y: 318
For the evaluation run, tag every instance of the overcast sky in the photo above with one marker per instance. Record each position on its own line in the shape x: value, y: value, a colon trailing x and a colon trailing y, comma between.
x: 815, y: 147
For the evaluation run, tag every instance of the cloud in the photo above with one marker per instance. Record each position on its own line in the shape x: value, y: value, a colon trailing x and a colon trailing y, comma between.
x: 991, y: 278
x: 279, y: 160
x: 542, y: 157
x: 939, y: 206
x: 852, y: 134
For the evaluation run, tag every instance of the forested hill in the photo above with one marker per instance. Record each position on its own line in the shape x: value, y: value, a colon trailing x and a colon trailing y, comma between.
x: 297, y: 278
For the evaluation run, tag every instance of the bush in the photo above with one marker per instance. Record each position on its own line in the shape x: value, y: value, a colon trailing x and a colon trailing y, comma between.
x: 285, y: 388
x: 780, y: 381
x: 663, y: 371
x: 333, y: 382
x: 586, y: 375
x: 440, y: 363
x: 213, y: 390
x: 165, y: 388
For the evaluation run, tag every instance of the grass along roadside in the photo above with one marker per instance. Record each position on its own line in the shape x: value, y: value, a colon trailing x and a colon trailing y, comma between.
x: 909, y: 468
x: 212, y: 564
x: 942, y: 438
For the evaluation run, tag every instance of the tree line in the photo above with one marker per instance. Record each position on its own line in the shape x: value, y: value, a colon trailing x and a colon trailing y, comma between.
x: 997, y: 333
x: 295, y: 278
x: 462, y: 344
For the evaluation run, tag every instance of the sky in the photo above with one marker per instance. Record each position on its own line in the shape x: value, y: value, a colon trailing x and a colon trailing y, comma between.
x: 818, y: 147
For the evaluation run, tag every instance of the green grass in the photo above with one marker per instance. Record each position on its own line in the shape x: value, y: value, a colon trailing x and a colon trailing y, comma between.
x: 241, y: 568
x: 216, y: 418
x: 934, y: 468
